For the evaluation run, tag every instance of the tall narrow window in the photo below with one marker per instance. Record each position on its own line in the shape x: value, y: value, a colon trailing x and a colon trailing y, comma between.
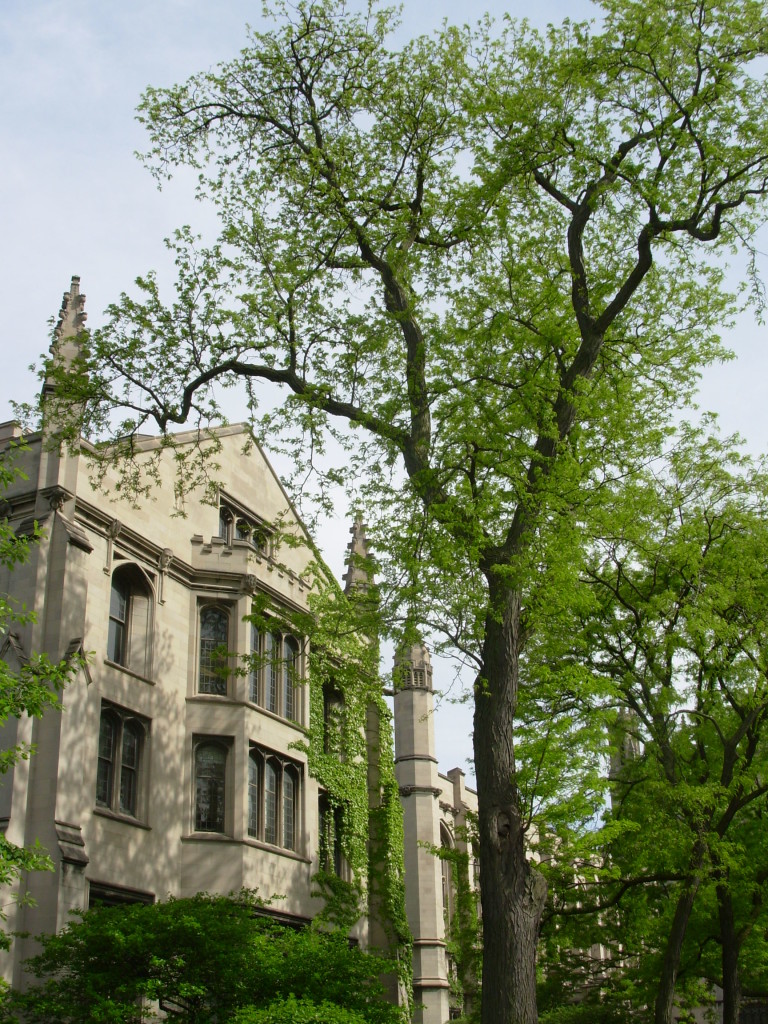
x: 254, y: 795
x: 129, y: 636
x: 118, y: 621
x: 106, y: 764
x: 290, y: 675
x: 210, y: 787
x: 289, y: 808
x: 214, y: 664
x: 270, y: 803
x: 122, y: 739
x: 257, y: 664
x: 129, y: 768
x: 271, y: 702
x: 225, y: 523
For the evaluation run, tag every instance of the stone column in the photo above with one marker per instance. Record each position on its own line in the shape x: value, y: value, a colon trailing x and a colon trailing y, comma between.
x: 416, y: 769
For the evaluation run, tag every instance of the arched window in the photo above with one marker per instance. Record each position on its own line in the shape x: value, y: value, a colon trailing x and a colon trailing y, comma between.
x: 122, y: 738
x: 129, y: 637
x: 225, y: 523
x: 210, y: 787
x: 214, y: 661
x: 273, y: 799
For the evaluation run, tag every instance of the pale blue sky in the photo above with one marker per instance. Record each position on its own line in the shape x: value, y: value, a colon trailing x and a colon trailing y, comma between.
x: 73, y: 199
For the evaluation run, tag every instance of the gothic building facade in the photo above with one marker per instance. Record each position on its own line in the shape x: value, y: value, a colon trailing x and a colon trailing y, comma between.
x: 170, y: 770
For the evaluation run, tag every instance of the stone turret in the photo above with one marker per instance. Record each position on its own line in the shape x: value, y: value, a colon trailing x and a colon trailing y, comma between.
x: 359, y: 574
x: 65, y: 346
x: 58, y: 459
x: 417, y: 777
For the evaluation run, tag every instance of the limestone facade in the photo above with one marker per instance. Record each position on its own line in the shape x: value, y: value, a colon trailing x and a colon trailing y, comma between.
x: 169, y: 771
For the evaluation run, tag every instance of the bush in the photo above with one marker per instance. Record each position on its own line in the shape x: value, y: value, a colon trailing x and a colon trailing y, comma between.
x: 200, y: 960
x: 298, y: 1011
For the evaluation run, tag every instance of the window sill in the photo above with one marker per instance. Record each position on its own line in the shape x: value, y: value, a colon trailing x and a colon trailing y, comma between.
x: 277, y: 718
x: 269, y: 848
x: 221, y: 837
x: 225, y: 698
x: 126, y: 819
x: 129, y: 671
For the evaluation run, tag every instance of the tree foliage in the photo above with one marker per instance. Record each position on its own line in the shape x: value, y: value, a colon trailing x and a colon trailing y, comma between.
x: 482, y: 263
x: 198, y: 960
x: 671, y: 637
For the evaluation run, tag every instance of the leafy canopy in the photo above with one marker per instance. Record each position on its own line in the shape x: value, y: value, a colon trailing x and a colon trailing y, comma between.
x: 198, y: 960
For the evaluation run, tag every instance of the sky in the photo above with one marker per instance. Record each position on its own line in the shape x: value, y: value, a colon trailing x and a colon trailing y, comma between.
x: 75, y: 200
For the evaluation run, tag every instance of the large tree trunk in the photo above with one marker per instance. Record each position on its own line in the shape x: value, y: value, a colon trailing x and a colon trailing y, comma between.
x: 730, y: 955
x: 665, y: 997
x: 513, y: 893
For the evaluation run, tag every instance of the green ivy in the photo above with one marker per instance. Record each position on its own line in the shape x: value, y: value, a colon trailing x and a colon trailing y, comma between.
x: 344, y: 665
x: 464, y: 931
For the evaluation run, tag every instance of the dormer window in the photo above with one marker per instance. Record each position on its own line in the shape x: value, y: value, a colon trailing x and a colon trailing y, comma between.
x: 236, y: 526
x: 225, y: 524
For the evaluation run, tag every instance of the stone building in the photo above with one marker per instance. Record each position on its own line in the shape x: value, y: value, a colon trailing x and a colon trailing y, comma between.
x: 171, y: 769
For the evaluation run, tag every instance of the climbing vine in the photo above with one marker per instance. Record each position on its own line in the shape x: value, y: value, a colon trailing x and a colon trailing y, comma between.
x: 349, y: 749
x: 464, y: 930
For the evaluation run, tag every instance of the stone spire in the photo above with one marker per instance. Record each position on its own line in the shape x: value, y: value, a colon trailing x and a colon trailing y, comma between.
x: 57, y: 476
x: 65, y: 346
x: 359, y: 574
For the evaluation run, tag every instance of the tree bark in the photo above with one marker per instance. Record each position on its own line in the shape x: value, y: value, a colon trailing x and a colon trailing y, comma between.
x: 665, y: 997
x: 513, y: 893
x: 730, y: 957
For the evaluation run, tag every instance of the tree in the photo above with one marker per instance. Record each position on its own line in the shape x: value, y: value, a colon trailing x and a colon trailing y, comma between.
x: 198, y: 960
x: 27, y: 690
x: 672, y: 636
x: 477, y: 263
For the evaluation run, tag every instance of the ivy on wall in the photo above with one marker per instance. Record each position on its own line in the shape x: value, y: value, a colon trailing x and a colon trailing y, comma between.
x: 349, y: 747
x: 464, y: 931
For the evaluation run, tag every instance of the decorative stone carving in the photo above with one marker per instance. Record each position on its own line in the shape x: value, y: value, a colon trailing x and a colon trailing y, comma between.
x: 56, y: 496
x: 250, y: 583
x: 410, y: 790
x: 113, y: 532
x: 163, y: 563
